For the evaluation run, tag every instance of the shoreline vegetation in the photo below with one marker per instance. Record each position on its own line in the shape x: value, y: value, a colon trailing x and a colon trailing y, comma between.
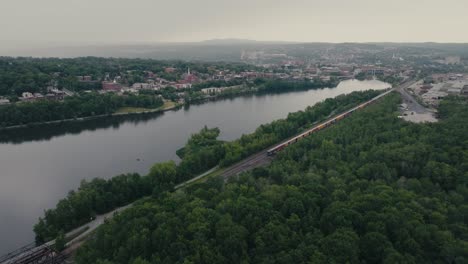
x: 359, y: 190
x: 202, y: 152
x: 371, y: 189
x: 82, y: 107
x: 120, y: 112
x: 192, y: 97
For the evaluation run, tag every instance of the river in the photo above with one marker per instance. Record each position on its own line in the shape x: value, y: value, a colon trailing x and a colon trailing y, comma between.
x: 38, y: 166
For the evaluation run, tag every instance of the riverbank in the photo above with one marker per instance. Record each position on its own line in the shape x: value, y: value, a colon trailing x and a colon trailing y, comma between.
x: 218, y: 170
x: 54, y: 159
x: 168, y: 106
x: 197, y: 97
x: 276, y: 87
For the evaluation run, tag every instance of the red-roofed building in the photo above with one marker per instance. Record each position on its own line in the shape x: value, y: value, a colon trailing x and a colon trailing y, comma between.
x: 170, y: 69
x: 111, y: 86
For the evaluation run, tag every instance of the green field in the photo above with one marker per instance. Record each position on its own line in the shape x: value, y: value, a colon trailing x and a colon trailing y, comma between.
x: 129, y: 110
x: 125, y: 110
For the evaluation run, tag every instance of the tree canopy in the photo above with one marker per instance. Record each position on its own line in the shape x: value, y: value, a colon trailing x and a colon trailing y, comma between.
x: 372, y: 189
x: 85, y: 105
x: 202, y: 152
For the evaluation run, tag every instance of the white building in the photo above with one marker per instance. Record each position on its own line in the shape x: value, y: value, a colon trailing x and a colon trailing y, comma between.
x: 4, y: 101
x: 27, y: 95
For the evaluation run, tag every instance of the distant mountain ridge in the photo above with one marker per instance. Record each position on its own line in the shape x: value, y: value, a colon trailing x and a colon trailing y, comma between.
x: 228, y: 49
x: 231, y: 41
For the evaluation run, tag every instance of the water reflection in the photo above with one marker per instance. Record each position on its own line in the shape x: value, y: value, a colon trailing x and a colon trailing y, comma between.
x: 39, y: 165
x: 48, y: 131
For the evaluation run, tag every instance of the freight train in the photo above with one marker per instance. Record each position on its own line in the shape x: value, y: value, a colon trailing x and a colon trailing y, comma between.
x: 323, y: 125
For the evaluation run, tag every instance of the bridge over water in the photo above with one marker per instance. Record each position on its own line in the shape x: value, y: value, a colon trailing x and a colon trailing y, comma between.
x: 32, y: 254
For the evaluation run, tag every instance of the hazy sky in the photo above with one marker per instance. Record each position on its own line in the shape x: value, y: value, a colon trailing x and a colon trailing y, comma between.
x: 32, y: 22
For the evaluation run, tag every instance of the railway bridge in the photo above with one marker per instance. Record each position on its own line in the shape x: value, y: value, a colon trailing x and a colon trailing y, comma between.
x: 32, y: 254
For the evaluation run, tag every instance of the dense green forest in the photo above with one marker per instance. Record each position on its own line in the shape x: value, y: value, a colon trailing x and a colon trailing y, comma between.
x: 371, y: 189
x: 202, y: 152
x: 100, y: 196
x: 269, y: 134
x: 85, y: 105
x: 18, y: 75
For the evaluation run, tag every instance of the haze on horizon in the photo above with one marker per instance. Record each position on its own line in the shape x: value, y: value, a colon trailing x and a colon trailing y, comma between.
x: 31, y: 23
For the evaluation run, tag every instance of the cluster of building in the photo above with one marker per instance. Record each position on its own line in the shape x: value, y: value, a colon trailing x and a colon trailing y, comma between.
x: 216, y: 90
x: 290, y: 70
x: 152, y: 82
x: 52, y: 94
x: 433, y: 89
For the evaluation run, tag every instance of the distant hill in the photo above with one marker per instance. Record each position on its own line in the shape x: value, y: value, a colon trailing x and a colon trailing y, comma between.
x: 229, y: 41
x: 222, y: 49
x: 234, y: 41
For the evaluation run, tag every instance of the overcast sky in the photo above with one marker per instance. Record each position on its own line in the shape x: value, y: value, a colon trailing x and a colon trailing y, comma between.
x: 33, y: 22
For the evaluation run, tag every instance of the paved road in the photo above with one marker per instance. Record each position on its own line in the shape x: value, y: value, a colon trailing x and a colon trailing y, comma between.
x: 196, y: 178
x: 91, y: 226
x: 413, y: 105
x: 415, y: 112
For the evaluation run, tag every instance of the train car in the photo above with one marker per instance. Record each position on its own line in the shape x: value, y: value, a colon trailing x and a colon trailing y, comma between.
x: 330, y: 122
x: 272, y: 151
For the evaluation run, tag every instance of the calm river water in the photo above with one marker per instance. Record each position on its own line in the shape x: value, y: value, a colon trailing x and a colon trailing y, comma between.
x: 39, y: 166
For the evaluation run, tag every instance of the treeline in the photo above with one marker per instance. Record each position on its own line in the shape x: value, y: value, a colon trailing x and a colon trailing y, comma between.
x: 257, y: 86
x: 18, y: 75
x: 269, y: 134
x: 277, y: 85
x: 95, y: 197
x: 202, y: 152
x: 371, y: 189
x: 100, y: 196
x: 272, y: 133
x: 85, y: 105
x: 217, y: 83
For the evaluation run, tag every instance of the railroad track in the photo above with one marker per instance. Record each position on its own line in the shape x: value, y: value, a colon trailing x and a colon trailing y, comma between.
x: 264, y: 157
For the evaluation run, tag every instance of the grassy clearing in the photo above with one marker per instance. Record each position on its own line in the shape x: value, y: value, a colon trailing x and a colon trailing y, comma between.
x: 125, y: 110
x: 129, y: 110
x: 168, y: 104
